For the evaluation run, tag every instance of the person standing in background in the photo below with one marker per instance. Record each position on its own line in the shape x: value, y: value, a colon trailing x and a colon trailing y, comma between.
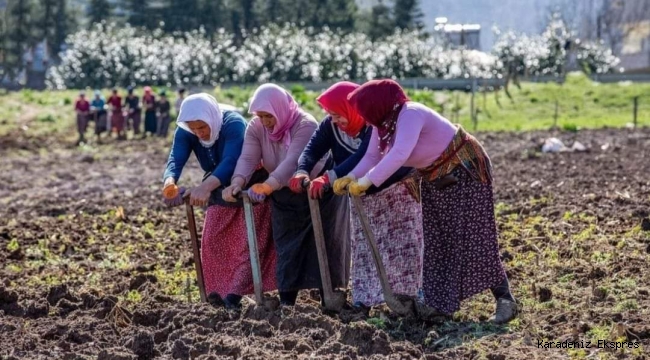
x: 163, y: 106
x: 117, y: 118
x: 134, y: 112
x: 99, y: 112
x: 179, y: 100
x: 82, y: 108
x: 150, y: 122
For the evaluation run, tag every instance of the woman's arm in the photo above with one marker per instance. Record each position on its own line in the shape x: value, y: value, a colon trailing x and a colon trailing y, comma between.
x: 371, y: 156
x: 178, y: 155
x: 318, y: 146
x: 251, y: 154
x: 406, y: 137
x: 233, y: 134
x: 283, y: 172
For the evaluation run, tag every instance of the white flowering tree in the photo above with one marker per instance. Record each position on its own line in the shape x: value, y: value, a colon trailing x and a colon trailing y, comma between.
x: 107, y: 55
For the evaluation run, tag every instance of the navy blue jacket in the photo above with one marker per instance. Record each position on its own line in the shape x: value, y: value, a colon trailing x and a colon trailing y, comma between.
x: 345, y: 151
x: 220, y: 159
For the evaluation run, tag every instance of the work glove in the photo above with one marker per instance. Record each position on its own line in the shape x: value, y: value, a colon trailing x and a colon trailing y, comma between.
x: 341, y: 185
x: 317, y: 187
x: 259, y: 192
x: 177, y: 200
x: 295, y: 183
x: 358, y: 188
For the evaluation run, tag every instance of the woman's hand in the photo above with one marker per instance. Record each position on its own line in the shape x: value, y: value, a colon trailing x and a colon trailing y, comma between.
x: 295, y: 183
x: 175, y: 201
x: 259, y: 192
x: 317, y: 187
x: 358, y: 188
x: 228, y: 194
x: 200, y: 195
x: 341, y: 185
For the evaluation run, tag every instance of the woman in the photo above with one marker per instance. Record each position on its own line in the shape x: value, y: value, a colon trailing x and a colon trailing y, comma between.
x: 100, y: 114
x: 277, y: 135
x: 399, y: 233
x: 461, y: 253
x: 134, y: 112
x: 179, y: 99
x: 82, y: 108
x: 216, y: 139
x: 117, y: 118
x: 163, y: 106
x: 150, y: 122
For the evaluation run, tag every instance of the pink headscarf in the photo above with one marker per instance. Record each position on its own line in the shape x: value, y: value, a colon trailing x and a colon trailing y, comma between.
x: 278, y: 102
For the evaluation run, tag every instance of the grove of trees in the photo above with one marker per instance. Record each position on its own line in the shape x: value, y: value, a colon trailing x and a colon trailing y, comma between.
x: 24, y: 23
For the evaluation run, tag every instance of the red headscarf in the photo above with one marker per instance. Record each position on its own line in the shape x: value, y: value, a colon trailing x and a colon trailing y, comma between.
x: 335, y: 99
x: 379, y: 102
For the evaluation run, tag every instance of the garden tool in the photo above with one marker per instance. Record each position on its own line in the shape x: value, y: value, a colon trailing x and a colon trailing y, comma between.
x: 405, y: 308
x: 260, y: 299
x: 191, y: 223
x: 333, y: 300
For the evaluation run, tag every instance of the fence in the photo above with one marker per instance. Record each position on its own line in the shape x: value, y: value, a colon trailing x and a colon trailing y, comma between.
x: 468, y: 100
x: 466, y: 84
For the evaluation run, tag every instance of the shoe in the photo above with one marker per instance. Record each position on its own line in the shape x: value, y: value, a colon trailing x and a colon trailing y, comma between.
x: 505, y: 312
x: 428, y: 313
x: 215, y: 300
x: 232, y: 302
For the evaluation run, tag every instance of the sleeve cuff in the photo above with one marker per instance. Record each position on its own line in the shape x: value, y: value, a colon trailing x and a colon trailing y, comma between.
x: 331, y: 174
x: 239, y: 180
x: 365, y: 182
x: 301, y: 172
x: 274, y: 183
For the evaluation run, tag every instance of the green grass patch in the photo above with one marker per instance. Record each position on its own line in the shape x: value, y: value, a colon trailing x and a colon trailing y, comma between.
x: 581, y: 104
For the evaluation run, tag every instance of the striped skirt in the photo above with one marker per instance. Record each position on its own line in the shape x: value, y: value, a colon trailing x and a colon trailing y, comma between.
x: 395, y: 217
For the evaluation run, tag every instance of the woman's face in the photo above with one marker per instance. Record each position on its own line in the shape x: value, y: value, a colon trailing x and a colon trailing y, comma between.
x: 267, y: 119
x: 200, y: 129
x: 339, y: 120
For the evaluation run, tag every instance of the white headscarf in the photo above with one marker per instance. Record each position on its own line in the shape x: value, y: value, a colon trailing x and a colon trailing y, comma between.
x: 202, y: 107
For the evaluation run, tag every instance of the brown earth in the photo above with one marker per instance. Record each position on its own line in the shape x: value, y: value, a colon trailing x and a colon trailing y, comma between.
x: 94, y: 266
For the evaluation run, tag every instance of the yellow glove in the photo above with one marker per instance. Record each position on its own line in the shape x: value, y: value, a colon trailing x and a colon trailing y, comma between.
x: 358, y: 188
x: 340, y: 186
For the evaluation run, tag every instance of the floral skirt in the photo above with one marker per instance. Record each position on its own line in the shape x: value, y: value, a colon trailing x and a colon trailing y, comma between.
x: 395, y: 217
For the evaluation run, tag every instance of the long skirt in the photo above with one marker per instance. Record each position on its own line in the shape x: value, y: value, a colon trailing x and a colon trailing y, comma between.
x: 461, y: 253
x: 150, y: 122
x: 395, y: 218
x: 163, y: 125
x: 133, y: 121
x: 82, y: 124
x: 293, y: 234
x: 100, y: 123
x: 225, y: 253
x: 117, y: 121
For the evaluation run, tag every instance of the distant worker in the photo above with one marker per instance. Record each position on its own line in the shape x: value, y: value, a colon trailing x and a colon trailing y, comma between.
x: 117, y: 118
x: 99, y: 114
x: 132, y: 102
x: 149, y: 103
x: 163, y: 106
x: 82, y: 108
